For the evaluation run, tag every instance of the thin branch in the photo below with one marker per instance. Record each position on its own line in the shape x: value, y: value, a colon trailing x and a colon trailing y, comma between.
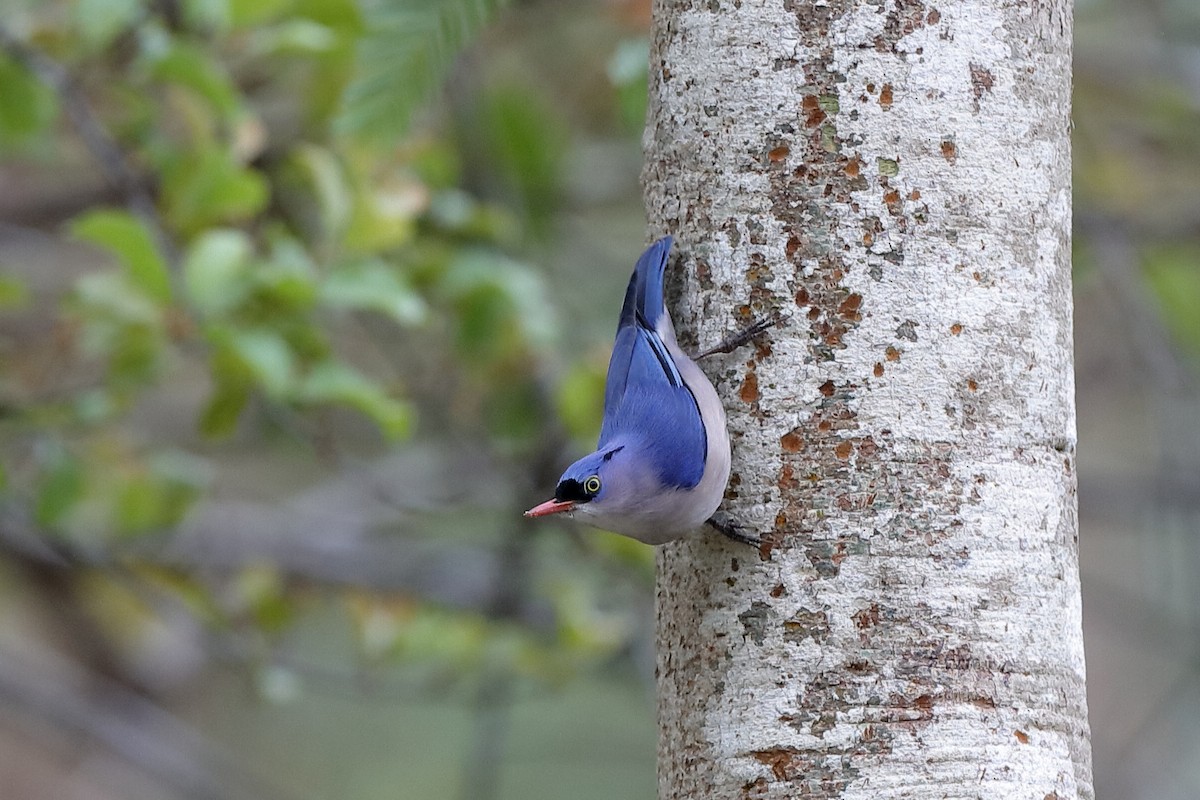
x: 113, y: 162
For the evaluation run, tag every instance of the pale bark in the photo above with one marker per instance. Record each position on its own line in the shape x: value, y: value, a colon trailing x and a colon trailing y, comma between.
x: 896, y: 176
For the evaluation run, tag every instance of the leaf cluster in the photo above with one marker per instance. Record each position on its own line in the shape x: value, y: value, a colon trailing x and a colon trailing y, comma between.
x: 278, y: 241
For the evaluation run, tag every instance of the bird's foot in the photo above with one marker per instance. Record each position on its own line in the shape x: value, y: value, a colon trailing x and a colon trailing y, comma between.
x: 731, y: 343
x: 734, y: 532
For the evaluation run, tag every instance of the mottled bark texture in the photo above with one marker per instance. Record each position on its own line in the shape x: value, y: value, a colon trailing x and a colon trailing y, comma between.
x: 895, y: 176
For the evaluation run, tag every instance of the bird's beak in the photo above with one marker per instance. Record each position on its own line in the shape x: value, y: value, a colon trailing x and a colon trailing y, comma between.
x: 550, y: 507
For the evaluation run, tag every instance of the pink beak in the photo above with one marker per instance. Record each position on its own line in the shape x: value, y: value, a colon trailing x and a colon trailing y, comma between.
x: 550, y: 507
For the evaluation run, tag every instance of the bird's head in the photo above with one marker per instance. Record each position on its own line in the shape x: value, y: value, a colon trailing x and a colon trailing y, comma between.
x: 590, y: 485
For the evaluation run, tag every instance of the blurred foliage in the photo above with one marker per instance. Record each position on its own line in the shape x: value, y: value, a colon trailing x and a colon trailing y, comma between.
x: 275, y: 191
x: 27, y: 108
x: 417, y: 39
x: 1137, y: 118
x: 627, y: 71
x: 1174, y: 274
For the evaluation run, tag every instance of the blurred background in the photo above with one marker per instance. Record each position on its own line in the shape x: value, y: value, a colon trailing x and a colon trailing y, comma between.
x: 303, y: 301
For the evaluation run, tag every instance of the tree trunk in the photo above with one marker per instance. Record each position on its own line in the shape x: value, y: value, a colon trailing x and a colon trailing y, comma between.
x: 894, y: 175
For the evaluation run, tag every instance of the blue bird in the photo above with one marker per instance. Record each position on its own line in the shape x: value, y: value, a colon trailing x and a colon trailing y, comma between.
x: 662, y: 462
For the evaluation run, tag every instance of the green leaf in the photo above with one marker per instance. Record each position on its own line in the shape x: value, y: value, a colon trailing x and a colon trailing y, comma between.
x: 159, y: 497
x: 429, y: 633
x: 143, y: 504
x: 260, y: 591
x: 627, y: 74
x: 524, y: 140
x: 297, y: 36
x: 286, y: 281
x: 502, y: 304
x: 342, y: 15
x: 375, y: 286
x: 512, y: 408
x: 61, y: 487
x: 229, y: 397
x: 27, y: 108
x: 582, y: 626
x: 123, y: 326
x: 405, y: 55
x: 111, y: 296
x: 135, y: 357
x: 210, y: 188
x: 267, y: 356
x: 627, y: 552
x: 216, y: 271
x: 207, y: 14
x: 437, y: 163
x: 1174, y: 275
x: 244, y: 13
x: 335, y: 382
x: 384, y: 219
x: 100, y: 21
x: 13, y: 292
x: 328, y: 181
x: 580, y: 399
x: 128, y: 238
x: 223, y: 410
x: 187, y: 65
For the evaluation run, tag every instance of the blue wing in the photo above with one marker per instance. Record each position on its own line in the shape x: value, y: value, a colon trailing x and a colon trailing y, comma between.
x: 635, y: 330
x: 644, y: 394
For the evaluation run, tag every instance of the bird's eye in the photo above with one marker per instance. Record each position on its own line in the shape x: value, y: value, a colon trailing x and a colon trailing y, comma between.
x: 592, y: 485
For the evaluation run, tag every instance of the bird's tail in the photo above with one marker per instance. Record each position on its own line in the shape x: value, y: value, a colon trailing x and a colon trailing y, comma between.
x: 644, y: 297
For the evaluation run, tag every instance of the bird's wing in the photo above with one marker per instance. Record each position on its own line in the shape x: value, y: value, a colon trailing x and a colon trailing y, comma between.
x: 645, y: 396
x: 635, y: 329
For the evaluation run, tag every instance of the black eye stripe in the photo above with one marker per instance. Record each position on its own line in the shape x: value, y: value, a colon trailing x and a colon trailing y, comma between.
x: 570, y: 489
x: 573, y: 490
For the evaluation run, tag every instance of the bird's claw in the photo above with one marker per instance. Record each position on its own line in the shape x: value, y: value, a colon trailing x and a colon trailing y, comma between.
x: 731, y: 343
x: 734, y: 532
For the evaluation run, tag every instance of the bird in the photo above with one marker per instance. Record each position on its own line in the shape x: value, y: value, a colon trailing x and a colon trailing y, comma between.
x: 662, y: 460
